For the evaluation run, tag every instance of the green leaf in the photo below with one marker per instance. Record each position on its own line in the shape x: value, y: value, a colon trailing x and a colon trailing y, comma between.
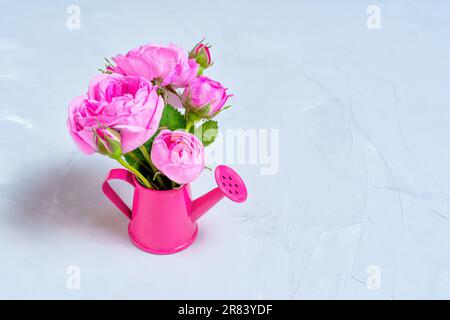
x: 172, y: 119
x: 207, y: 132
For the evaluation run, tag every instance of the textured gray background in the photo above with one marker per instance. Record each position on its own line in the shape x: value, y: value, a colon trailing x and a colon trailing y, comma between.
x: 364, y: 128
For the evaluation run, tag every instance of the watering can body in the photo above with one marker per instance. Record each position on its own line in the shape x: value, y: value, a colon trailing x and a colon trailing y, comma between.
x: 163, y: 222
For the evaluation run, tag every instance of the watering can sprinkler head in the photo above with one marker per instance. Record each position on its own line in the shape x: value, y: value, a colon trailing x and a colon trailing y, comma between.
x: 229, y: 184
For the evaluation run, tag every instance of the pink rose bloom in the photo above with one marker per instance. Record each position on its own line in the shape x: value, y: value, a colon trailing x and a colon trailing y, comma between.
x: 178, y: 155
x: 129, y: 105
x: 170, y: 65
x: 203, y: 92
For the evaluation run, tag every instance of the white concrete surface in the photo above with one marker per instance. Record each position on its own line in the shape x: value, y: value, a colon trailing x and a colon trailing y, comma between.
x: 360, y: 206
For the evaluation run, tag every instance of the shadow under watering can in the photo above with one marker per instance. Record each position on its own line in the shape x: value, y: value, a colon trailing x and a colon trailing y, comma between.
x: 165, y: 222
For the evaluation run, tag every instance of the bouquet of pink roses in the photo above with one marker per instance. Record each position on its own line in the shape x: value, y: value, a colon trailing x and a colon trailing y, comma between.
x: 151, y: 110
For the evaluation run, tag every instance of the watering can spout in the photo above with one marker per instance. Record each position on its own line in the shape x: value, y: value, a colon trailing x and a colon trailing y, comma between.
x: 202, y: 204
x: 229, y: 184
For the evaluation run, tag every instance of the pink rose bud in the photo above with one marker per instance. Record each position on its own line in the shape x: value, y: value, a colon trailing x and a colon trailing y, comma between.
x: 201, y: 55
x: 204, y: 97
x: 108, y: 142
x: 179, y: 155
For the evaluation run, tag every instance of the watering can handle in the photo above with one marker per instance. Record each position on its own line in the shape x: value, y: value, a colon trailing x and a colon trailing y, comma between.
x: 118, y: 174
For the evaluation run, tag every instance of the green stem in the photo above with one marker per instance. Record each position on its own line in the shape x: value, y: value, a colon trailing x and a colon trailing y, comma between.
x: 136, y: 158
x: 137, y: 173
x: 174, y: 91
x: 155, y: 170
x: 145, y: 153
x: 188, y: 126
x: 143, y: 164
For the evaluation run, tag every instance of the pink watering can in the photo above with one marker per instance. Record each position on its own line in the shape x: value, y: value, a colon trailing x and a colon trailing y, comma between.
x: 165, y: 222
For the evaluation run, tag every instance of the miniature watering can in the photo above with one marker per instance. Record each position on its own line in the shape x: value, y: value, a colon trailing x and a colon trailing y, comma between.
x: 165, y: 222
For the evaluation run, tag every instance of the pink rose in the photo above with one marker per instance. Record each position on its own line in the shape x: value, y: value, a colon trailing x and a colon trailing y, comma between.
x: 169, y: 65
x: 205, y: 96
x: 179, y: 155
x: 129, y: 105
